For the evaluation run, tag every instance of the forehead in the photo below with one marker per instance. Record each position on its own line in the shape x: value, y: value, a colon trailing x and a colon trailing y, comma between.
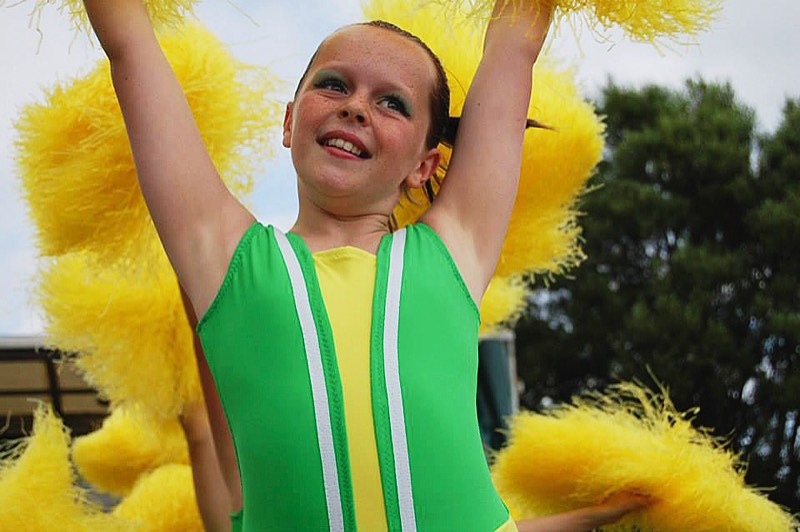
x: 381, y: 50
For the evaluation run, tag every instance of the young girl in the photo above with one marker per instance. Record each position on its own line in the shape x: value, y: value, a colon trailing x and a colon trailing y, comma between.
x: 343, y: 355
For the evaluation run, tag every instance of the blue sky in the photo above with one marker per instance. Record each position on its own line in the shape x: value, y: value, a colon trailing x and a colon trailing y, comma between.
x: 753, y: 44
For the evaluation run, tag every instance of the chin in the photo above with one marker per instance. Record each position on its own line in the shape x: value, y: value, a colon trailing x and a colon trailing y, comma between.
x: 332, y: 186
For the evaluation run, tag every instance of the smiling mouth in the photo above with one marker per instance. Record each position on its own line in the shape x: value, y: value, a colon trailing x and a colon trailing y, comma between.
x: 346, y: 146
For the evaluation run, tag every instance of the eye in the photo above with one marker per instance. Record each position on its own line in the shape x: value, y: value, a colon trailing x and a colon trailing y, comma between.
x: 396, y: 103
x: 331, y: 83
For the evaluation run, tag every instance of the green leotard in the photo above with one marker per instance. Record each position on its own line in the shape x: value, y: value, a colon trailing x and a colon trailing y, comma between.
x: 270, y: 348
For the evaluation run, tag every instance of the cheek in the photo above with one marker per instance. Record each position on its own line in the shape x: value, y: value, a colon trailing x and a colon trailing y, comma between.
x: 409, y: 136
x: 408, y: 151
x: 301, y: 119
x: 416, y: 142
x: 309, y: 112
x: 401, y: 142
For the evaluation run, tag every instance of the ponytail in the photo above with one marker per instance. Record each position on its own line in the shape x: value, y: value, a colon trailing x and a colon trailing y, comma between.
x: 450, y: 129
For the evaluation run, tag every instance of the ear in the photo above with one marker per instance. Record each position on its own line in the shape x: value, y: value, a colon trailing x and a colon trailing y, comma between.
x: 425, y: 170
x: 287, y: 126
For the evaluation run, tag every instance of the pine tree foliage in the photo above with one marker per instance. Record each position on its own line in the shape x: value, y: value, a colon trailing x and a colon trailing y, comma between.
x: 693, y: 275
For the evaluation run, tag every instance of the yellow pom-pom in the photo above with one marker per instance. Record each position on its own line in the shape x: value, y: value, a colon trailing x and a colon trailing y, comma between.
x: 543, y: 233
x: 128, y: 445
x: 642, y: 20
x: 75, y: 162
x: 162, y: 501
x: 37, y: 490
x: 129, y: 333
x: 629, y: 439
x: 505, y: 300
x: 162, y: 12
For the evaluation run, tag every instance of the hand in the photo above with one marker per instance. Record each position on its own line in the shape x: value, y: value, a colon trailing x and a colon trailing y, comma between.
x: 528, y: 23
x: 618, y: 506
x: 588, y: 518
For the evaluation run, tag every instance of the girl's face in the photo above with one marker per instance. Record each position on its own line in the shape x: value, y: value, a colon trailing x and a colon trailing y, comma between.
x: 358, y: 125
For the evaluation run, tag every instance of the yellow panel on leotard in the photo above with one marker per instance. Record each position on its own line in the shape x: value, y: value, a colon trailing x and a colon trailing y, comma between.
x: 347, y: 279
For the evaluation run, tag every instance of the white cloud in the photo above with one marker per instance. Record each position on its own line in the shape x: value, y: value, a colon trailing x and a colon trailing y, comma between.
x: 752, y: 44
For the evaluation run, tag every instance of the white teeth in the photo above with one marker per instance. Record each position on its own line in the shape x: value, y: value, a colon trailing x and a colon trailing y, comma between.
x: 343, y: 145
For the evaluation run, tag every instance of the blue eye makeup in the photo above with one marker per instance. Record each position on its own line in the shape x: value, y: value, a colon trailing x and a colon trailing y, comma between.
x: 397, y: 103
x: 328, y: 79
x: 331, y: 80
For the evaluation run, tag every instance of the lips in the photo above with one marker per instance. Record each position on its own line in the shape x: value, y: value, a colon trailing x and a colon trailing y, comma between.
x: 345, y: 142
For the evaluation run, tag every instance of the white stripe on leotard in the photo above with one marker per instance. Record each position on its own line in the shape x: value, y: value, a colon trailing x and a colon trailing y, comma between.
x: 391, y: 365
x: 319, y: 390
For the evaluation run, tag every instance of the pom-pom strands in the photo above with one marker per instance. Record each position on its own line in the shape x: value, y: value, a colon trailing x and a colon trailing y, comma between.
x: 162, y: 12
x: 505, y: 300
x: 645, y: 20
x: 128, y: 445
x: 131, y: 335
x: 642, y: 20
x: 75, y: 161
x: 629, y: 439
x: 37, y: 485
x: 543, y: 232
x: 162, y: 501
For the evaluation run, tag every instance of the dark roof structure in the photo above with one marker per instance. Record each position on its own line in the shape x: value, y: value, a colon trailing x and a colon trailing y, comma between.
x: 31, y: 374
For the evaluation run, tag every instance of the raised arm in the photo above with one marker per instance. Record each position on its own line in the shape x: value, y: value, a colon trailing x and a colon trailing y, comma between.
x: 198, y: 220
x: 474, y: 206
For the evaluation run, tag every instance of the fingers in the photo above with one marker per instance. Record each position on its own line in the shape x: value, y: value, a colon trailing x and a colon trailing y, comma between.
x: 621, y: 504
x: 629, y: 501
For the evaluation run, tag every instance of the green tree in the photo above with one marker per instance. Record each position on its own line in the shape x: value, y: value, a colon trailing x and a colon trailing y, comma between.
x: 693, y: 241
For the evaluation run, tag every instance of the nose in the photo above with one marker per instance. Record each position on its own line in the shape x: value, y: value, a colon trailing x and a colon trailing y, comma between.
x: 354, y: 109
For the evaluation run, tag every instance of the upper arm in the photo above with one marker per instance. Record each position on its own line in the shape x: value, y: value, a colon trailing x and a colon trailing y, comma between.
x: 198, y: 220
x: 474, y: 205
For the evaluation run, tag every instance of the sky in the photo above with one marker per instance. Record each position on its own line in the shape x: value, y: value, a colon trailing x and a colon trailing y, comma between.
x: 753, y: 45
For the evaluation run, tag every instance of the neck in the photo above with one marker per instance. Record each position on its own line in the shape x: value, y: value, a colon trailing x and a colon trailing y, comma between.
x: 323, y: 229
